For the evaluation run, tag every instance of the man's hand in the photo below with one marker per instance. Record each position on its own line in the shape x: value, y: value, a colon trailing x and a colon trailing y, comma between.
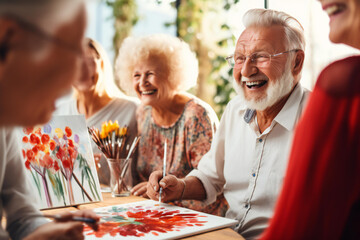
x: 172, y: 187
x: 58, y: 231
x: 68, y: 216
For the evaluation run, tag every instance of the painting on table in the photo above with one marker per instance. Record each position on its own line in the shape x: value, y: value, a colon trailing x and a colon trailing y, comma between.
x: 150, y: 220
x: 60, y: 163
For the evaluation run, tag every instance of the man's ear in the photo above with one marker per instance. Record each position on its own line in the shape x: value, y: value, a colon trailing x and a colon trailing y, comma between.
x: 298, y: 63
x: 7, y: 31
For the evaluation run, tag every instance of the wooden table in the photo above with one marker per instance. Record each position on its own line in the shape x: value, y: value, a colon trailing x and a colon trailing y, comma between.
x: 223, y: 234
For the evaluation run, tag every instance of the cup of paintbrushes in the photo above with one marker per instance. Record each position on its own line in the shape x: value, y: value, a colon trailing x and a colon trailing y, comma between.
x: 111, y: 140
x: 120, y: 172
x: 120, y: 176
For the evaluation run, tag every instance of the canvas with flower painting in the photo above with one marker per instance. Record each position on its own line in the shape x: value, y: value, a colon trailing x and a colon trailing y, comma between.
x: 150, y: 220
x: 60, y: 163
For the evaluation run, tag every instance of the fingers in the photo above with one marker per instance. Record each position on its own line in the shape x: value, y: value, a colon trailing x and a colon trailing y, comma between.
x: 154, y: 180
x: 86, y: 214
x: 169, y: 184
x: 169, y: 181
x: 65, y: 217
x: 72, y: 230
x: 153, y: 185
x: 58, y: 231
x: 152, y: 194
x: 140, y: 190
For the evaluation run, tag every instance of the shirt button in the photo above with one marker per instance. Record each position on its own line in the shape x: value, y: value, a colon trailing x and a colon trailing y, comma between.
x: 246, y: 205
x: 260, y: 140
x: 253, y: 174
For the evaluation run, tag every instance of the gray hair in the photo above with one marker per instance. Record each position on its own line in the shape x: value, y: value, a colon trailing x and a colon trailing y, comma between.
x: 180, y: 60
x: 48, y: 15
x: 265, y: 18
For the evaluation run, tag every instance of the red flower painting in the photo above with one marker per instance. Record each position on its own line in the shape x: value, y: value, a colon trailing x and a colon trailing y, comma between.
x: 53, y: 154
x: 142, y: 221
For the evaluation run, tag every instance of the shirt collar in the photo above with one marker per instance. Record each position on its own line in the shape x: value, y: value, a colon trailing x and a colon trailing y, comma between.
x: 288, y: 115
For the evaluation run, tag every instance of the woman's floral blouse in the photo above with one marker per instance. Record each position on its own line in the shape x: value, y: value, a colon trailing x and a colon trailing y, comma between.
x: 188, y: 139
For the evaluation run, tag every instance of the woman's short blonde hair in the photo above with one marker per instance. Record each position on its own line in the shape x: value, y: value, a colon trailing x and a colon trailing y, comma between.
x: 180, y: 60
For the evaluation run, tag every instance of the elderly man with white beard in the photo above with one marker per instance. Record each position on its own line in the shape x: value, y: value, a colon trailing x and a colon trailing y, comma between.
x: 248, y: 155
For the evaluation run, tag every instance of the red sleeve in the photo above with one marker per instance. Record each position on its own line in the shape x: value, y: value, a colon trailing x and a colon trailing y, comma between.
x: 320, y: 196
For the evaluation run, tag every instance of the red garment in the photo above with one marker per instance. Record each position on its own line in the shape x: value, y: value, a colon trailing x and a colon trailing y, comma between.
x: 321, y: 191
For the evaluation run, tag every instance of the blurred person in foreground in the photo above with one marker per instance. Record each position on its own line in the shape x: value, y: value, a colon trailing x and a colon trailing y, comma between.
x: 40, y: 54
x: 321, y: 194
x: 249, y: 153
x: 97, y: 97
x: 160, y: 68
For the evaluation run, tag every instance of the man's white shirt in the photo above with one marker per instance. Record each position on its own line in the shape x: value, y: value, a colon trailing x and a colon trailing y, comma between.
x: 249, y: 166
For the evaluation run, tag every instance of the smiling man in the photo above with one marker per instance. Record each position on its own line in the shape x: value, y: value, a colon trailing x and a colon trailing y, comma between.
x: 249, y: 153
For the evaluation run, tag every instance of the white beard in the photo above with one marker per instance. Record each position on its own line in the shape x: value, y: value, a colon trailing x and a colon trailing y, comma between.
x: 274, y: 92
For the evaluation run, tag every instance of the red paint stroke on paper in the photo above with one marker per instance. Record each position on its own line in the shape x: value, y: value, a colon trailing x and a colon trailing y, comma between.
x: 137, y: 222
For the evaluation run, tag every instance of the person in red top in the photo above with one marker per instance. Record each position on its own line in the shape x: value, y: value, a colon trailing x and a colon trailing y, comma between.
x: 321, y: 192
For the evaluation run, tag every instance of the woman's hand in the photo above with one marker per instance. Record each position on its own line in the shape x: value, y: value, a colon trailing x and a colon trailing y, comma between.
x: 140, y: 190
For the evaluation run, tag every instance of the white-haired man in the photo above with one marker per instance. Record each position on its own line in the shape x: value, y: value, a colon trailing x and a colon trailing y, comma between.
x: 248, y: 156
x: 40, y: 54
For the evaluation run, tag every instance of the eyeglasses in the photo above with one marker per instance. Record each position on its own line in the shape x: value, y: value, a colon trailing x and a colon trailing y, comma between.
x: 259, y: 59
x: 46, y: 36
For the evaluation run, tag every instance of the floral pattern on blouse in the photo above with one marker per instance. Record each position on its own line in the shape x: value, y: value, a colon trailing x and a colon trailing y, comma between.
x: 188, y: 139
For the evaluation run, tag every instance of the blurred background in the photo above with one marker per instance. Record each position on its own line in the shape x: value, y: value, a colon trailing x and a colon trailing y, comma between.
x: 211, y: 28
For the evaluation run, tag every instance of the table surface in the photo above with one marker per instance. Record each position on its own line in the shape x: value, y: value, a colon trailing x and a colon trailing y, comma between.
x: 223, y: 234
x: 108, y: 200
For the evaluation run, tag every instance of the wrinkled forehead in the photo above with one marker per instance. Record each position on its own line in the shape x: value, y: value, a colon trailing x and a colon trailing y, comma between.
x: 153, y: 62
x: 261, y: 39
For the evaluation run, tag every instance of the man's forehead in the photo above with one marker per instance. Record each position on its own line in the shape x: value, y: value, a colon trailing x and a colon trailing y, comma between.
x: 253, y: 44
x: 261, y: 37
x: 73, y: 29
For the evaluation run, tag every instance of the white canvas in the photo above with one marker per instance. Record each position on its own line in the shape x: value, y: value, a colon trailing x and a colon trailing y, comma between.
x: 60, y: 163
x: 151, y: 220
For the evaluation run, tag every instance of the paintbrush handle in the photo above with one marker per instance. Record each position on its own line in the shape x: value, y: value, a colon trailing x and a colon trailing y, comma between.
x: 133, y: 145
x: 74, y: 218
x: 164, y: 168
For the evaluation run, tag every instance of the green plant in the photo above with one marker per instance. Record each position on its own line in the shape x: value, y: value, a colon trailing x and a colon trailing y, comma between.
x: 213, y: 70
x: 125, y: 17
